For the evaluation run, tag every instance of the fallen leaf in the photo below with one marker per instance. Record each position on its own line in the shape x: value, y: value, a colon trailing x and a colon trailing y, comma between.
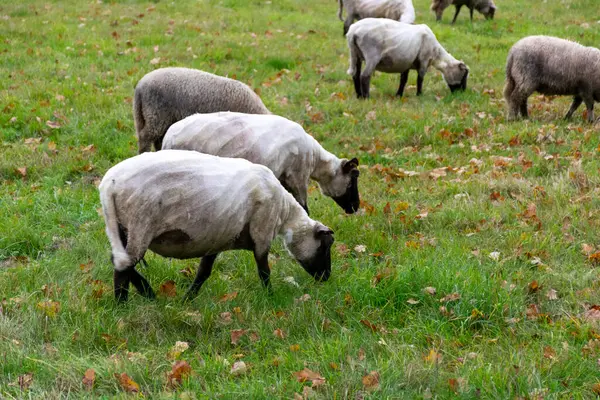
x: 53, y: 124
x: 225, y: 318
x: 308, y: 375
x: 279, y: 333
x: 302, y: 299
x: 430, y: 290
x: 552, y: 294
x: 596, y: 388
x: 587, y: 249
x: 361, y: 248
x: 433, y: 357
x: 450, y: 297
x: 412, y: 301
x: 88, y: 378
x: 238, y: 368
x: 237, y: 334
x: 127, y: 384
x: 369, y: 325
x: 371, y: 381
x: 179, y: 370
x: 549, y: 352
x: 371, y: 116
x: 167, y: 289
x: 533, y: 286
x: 177, y: 349
x: 295, y: 347
x: 361, y: 354
x: 155, y: 61
x: 22, y: 171
x: 228, y: 297
x: 25, y: 381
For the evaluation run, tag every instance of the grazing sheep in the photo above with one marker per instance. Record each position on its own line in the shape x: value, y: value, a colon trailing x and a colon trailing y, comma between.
x: 275, y: 142
x: 396, y: 47
x: 485, y: 7
x: 184, y: 204
x: 399, y: 10
x: 167, y: 95
x: 552, y: 66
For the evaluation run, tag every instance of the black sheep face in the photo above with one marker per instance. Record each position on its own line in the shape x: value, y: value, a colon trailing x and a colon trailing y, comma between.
x: 312, y: 249
x: 456, y: 77
x: 348, y: 197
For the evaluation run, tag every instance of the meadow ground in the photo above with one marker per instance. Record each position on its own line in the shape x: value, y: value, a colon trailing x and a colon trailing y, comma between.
x: 472, y: 271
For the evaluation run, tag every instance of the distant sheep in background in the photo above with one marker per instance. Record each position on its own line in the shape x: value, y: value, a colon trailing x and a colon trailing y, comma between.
x: 485, y: 7
x: 551, y: 66
x: 395, y: 47
x: 167, y: 95
x: 184, y: 204
x: 399, y: 10
x: 281, y: 145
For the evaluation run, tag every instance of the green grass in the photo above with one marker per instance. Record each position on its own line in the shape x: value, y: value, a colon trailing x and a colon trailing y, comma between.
x: 76, y: 63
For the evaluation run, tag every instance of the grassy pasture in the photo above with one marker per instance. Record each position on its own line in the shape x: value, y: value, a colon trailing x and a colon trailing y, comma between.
x: 500, y: 218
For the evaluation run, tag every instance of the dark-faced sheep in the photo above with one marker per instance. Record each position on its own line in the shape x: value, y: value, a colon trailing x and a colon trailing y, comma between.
x: 167, y: 95
x: 399, y: 10
x: 184, y: 204
x: 282, y: 145
x: 395, y: 47
x: 485, y: 7
x: 551, y: 66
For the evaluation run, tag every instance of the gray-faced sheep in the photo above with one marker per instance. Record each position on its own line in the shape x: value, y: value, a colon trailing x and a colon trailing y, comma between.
x: 396, y: 47
x: 485, y: 7
x: 167, y: 95
x: 399, y: 10
x: 551, y: 66
x: 184, y: 204
x: 275, y: 142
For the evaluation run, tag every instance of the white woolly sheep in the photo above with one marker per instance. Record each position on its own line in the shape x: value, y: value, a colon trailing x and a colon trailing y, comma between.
x: 167, y: 95
x: 275, y: 142
x: 551, y: 66
x: 396, y: 47
x: 485, y: 7
x: 184, y: 204
x: 399, y: 10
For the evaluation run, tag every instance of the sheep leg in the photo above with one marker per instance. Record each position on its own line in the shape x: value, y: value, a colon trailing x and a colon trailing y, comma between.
x: 471, y: 12
x: 420, y: 78
x: 144, y: 145
x: 403, y: 80
x: 121, y: 280
x: 158, y: 144
x: 523, y: 108
x: 589, y: 104
x: 365, y: 82
x: 141, y: 284
x: 348, y: 22
x: 456, y: 13
x: 204, y: 271
x: 264, y: 272
x: 365, y: 77
x: 574, y: 106
x: 356, y: 78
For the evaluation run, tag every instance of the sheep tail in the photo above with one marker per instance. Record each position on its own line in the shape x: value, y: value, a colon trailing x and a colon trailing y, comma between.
x: 138, y: 115
x: 353, y: 46
x: 120, y: 258
x: 341, y: 2
x: 510, y: 80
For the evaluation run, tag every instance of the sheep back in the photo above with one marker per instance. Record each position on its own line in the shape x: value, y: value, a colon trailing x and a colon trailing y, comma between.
x: 167, y: 95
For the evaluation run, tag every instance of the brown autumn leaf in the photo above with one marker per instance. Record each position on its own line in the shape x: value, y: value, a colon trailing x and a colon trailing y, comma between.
x: 179, y: 371
x: 533, y: 287
x: 25, y: 380
x: 533, y: 311
x: 587, y: 249
x: 278, y: 333
x: 228, y: 297
x: 496, y: 196
x: 361, y: 354
x: 430, y: 290
x: 549, y: 352
x: 127, y: 384
x: 22, y: 171
x: 596, y: 388
x: 237, y: 334
x: 433, y: 357
x: 594, y: 258
x: 89, y: 378
x: 52, y: 124
x: 592, y: 314
x: 167, y: 289
x: 369, y: 325
x: 371, y: 381
x: 308, y: 375
x: 450, y: 297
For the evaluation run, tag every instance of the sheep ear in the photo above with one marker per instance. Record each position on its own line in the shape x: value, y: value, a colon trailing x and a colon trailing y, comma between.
x: 463, y: 66
x: 321, y: 231
x: 348, y: 166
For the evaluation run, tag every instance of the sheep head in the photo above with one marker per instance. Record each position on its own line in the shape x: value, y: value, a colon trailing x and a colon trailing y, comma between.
x: 312, y: 248
x: 455, y: 74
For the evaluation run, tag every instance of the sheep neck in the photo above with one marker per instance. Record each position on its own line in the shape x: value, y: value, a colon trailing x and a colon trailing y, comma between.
x: 325, y: 165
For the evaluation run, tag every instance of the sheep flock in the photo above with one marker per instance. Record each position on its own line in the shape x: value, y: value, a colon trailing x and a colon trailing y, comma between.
x: 227, y: 174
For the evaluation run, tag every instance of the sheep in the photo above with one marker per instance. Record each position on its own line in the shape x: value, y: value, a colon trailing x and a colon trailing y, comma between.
x: 275, y: 142
x: 391, y: 46
x: 551, y: 66
x: 485, y: 7
x: 167, y: 95
x: 399, y: 10
x: 184, y: 204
